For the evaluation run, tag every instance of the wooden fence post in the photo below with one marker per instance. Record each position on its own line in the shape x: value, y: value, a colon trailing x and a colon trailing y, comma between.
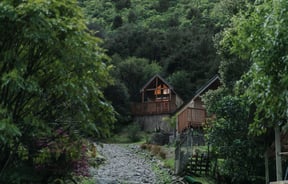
x: 177, y: 163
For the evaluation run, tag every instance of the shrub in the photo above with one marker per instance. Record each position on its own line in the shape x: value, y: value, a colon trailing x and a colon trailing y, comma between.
x: 147, y: 139
x: 149, y: 147
x: 143, y: 146
x: 133, y: 132
x: 61, y: 157
x: 155, y: 149
x: 162, y: 154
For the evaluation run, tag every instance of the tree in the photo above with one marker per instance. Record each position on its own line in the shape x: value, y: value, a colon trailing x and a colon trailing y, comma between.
x: 132, y: 17
x: 231, y: 67
x: 177, y: 35
x: 135, y: 72
x: 224, y: 10
x: 117, y: 22
x: 260, y: 36
x: 121, y: 105
x: 52, y: 73
x: 163, y: 5
x: 267, y: 46
x: 230, y: 139
x: 180, y: 79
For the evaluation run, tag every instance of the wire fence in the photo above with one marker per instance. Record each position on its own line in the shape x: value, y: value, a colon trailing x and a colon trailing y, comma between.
x: 185, y: 143
x: 183, y: 151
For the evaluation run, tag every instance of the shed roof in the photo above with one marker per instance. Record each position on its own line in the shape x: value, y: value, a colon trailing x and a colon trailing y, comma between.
x: 201, y: 91
x: 206, y: 86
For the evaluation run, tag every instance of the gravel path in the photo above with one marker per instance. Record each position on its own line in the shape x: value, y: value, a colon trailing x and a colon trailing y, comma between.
x: 124, y: 166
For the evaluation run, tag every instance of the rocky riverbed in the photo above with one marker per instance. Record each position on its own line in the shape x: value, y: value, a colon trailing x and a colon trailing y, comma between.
x: 128, y: 164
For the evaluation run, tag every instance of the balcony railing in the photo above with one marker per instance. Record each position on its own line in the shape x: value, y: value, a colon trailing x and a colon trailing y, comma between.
x: 153, y: 108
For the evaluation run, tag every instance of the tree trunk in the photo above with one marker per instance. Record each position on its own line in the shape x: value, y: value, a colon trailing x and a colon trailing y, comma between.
x: 277, y: 153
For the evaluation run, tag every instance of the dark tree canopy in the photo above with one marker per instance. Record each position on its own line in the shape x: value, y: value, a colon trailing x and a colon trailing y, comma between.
x: 177, y: 35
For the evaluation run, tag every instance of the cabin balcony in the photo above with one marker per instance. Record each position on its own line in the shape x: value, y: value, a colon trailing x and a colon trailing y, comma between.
x: 153, y: 108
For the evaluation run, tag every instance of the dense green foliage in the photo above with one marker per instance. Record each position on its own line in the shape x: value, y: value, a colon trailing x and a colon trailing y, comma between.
x: 176, y: 35
x: 229, y: 136
x: 52, y: 73
x: 55, y: 78
x: 180, y: 39
x: 265, y: 37
x: 254, y: 72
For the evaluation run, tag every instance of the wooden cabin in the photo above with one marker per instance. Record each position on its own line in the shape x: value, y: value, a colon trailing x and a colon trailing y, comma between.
x: 158, y: 97
x: 158, y: 100
x: 193, y: 114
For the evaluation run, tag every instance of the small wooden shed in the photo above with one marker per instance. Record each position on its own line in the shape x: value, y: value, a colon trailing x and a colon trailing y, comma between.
x: 193, y: 114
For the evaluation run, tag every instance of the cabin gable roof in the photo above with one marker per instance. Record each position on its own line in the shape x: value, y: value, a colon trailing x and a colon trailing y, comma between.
x: 158, y: 97
x: 154, y: 78
x: 161, y: 79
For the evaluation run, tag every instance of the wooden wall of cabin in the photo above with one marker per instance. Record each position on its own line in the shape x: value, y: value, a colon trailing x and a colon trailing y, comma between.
x: 153, y: 122
x: 191, y: 117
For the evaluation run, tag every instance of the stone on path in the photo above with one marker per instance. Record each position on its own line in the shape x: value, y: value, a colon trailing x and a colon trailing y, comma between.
x: 123, y: 165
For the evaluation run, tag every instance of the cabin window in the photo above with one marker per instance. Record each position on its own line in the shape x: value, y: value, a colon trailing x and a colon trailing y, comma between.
x: 158, y: 90
x: 166, y: 91
x: 162, y: 89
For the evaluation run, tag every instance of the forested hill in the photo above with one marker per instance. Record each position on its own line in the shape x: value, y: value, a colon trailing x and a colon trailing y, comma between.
x: 174, y: 38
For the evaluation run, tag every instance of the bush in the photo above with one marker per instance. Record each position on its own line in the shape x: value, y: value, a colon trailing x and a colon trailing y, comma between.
x: 147, y: 139
x: 133, y: 132
x: 144, y: 146
x: 155, y: 149
x: 162, y: 154
x: 149, y: 147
